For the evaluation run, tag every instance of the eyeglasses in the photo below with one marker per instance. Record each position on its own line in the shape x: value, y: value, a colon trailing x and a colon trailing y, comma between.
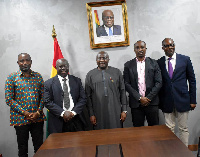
x: 108, y: 17
x: 102, y: 58
x: 170, y: 45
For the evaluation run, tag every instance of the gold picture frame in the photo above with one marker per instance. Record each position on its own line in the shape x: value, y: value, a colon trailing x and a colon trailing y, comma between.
x: 96, y: 24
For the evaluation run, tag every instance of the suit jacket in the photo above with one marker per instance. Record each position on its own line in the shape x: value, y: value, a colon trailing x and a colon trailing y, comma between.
x: 102, y: 32
x: 174, y: 92
x: 53, y: 100
x: 153, y: 80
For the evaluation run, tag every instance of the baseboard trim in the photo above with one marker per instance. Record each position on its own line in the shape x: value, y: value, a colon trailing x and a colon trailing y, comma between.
x: 193, y: 147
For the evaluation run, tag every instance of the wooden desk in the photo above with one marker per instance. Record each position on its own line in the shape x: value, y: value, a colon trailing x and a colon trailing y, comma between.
x: 148, y: 141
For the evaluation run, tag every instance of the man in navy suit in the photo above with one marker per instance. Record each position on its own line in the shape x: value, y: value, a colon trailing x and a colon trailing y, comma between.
x: 108, y: 28
x: 62, y: 118
x: 143, y: 81
x: 176, y: 99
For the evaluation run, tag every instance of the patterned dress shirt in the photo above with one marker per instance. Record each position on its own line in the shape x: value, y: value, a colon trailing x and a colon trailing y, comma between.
x: 24, y: 94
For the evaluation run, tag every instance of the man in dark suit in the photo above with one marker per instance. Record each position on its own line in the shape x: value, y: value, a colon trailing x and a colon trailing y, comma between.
x: 143, y: 81
x: 175, y: 99
x: 108, y: 28
x: 65, y: 98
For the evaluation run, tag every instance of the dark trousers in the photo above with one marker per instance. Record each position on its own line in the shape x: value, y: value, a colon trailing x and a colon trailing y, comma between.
x: 22, y: 132
x: 75, y: 124
x: 139, y: 114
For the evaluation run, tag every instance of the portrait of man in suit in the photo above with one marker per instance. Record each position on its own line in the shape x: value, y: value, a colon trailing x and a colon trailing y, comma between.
x: 108, y: 28
x: 176, y: 99
x: 65, y: 98
x: 142, y: 77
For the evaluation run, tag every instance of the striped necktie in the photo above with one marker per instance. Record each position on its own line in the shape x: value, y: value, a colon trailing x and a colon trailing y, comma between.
x: 66, y: 95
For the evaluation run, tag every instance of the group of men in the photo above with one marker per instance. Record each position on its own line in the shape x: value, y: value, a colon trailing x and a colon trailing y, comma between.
x: 150, y: 84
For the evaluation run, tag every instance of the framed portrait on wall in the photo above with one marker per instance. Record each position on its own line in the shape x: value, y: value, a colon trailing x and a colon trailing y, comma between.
x: 108, y: 24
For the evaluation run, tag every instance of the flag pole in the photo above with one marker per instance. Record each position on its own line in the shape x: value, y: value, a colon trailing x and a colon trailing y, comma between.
x: 57, y: 55
x: 53, y: 36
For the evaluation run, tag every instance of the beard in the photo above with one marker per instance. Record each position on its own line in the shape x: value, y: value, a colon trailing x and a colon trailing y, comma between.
x: 25, y: 69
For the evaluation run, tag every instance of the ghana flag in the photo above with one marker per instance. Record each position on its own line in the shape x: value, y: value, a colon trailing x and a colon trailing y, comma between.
x: 96, y: 19
x: 57, y: 55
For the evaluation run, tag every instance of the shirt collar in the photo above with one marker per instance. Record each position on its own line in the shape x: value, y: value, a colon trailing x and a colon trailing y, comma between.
x: 61, y: 78
x: 108, y: 27
x: 21, y: 74
x: 173, y: 57
x: 141, y: 61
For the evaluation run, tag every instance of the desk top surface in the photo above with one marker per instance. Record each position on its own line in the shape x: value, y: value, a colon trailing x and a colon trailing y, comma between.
x: 140, y: 141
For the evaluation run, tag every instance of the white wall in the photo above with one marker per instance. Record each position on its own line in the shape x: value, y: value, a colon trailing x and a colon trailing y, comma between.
x: 26, y: 26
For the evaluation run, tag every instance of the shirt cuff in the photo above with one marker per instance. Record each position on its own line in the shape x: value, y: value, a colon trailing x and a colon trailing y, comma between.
x: 70, y: 111
x: 74, y: 113
x: 62, y: 113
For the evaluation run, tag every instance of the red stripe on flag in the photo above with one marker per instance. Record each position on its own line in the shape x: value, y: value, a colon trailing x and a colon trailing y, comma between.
x: 57, y: 52
x: 96, y: 17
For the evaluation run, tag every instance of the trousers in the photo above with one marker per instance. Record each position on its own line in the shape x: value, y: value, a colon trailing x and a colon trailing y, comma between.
x: 149, y: 112
x: 22, y: 132
x: 182, y: 119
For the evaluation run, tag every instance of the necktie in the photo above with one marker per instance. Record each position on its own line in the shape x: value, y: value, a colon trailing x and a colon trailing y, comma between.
x: 66, y: 95
x: 110, y: 32
x: 170, y: 68
x: 104, y: 83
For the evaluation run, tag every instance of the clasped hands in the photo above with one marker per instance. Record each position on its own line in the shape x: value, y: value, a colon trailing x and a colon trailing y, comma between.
x: 145, y: 101
x: 31, y: 116
x: 67, y: 116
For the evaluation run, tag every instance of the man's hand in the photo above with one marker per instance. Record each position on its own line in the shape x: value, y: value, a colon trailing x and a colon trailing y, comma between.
x: 27, y: 115
x: 123, y: 116
x: 34, y: 116
x: 192, y: 106
x: 145, y: 101
x: 68, y: 116
x: 31, y: 116
x: 93, y: 120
